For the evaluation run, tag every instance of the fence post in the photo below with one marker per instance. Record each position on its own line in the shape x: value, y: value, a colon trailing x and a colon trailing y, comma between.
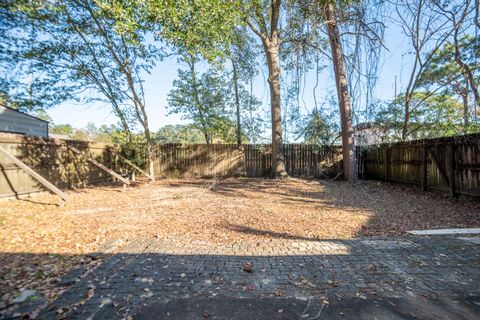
x: 452, y: 167
x: 385, y: 163
x: 424, y: 167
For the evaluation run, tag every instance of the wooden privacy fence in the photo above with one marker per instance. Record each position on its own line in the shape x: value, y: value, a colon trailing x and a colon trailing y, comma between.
x: 449, y: 165
x: 223, y: 160
x: 55, y: 161
x: 66, y: 164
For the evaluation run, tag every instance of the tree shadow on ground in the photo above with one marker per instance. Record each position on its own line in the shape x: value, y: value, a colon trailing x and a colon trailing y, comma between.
x: 267, y: 233
x: 393, y: 209
x: 119, y: 283
x: 148, y: 280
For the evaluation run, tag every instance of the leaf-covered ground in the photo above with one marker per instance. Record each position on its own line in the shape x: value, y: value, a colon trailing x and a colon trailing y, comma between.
x: 41, y: 241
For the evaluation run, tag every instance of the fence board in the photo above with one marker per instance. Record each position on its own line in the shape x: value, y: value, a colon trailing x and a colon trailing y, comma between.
x: 51, y: 159
x: 224, y: 160
x: 448, y: 165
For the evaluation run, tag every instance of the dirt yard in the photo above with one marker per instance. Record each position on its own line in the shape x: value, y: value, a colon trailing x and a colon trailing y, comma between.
x: 41, y: 241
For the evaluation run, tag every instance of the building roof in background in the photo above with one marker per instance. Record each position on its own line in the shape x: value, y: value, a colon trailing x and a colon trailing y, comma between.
x: 23, y: 113
x: 371, y: 125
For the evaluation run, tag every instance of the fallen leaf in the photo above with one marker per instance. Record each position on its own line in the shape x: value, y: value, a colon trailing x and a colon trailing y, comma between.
x: 248, y: 267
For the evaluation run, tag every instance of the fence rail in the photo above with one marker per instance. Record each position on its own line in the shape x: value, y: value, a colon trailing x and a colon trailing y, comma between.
x: 54, y: 161
x: 221, y: 160
x: 448, y: 165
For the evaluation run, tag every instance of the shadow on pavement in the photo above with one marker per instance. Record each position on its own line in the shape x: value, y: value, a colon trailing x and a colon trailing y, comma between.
x: 350, y: 308
x: 374, y: 278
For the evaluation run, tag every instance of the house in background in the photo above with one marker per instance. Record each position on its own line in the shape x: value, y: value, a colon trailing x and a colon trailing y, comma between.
x: 368, y: 133
x: 14, y: 121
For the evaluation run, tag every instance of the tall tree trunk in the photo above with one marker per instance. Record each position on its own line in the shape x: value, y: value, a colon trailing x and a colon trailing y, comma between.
x: 148, y: 138
x: 237, y: 103
x: 206, y: 136
x: 271, y: 44
x: 348, y: 143
x: 151, y: 153
x: 271, y: 52
x: 142, y: 117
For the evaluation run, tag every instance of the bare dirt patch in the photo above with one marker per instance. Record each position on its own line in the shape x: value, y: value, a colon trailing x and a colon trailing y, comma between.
x: 41, y: 241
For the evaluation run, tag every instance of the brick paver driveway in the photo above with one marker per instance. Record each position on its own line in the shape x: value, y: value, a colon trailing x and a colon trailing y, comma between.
x: 383, y: 278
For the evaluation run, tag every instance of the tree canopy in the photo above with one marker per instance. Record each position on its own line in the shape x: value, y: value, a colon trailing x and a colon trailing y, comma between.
x: 248, y: 70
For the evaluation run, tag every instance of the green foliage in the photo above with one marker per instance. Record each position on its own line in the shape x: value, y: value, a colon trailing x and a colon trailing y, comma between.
x: 104, y: 133
x: 444, y: 74
x: 73, y: 51
x: 28, y: 31
x: 42, y: 114
x: 202, y: 99
x: 437, y: 115
x: 65, y: 129
x: 179, y: 134
x: 202, y: 27
x: 96, y: 50
x: 243, y: 52
x: 243, y: 58
x: 444, y: 97
x: 135, y: 149
x: 253, y: 118
x: 320, y: 128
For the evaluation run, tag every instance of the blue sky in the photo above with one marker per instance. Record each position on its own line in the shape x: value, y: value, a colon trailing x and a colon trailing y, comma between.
x: 159, y: 82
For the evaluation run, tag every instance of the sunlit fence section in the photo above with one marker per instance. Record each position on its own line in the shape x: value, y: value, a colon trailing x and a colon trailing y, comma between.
x: 448, y: 165
x: 224, y: 160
